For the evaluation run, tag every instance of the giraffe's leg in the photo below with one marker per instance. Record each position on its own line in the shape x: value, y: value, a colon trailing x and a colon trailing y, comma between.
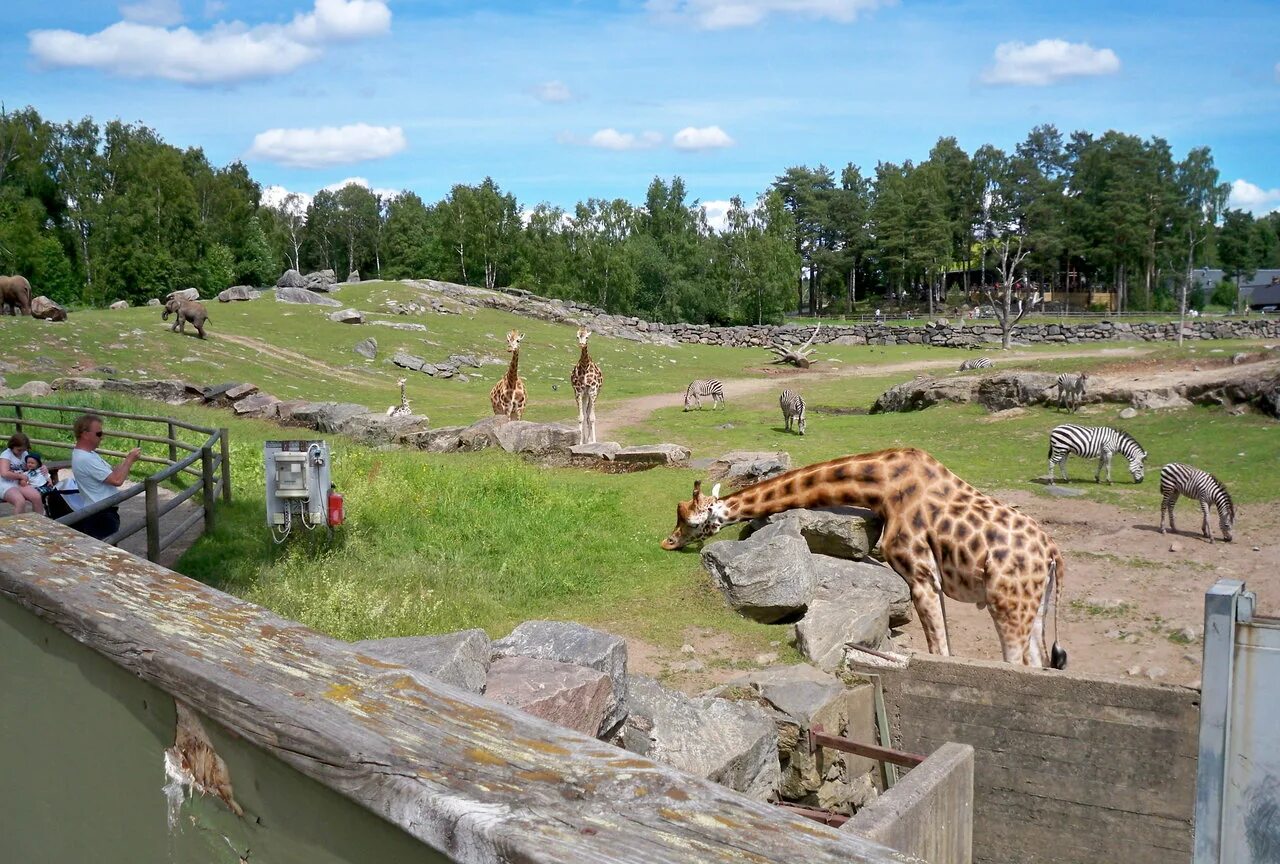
x: 1204, y: 527
x: 921, y: 573
x: 591, y: 421
x: 1014, y: 634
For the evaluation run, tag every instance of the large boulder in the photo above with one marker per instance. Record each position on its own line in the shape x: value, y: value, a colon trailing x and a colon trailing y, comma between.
x: 1158, y: 399
x: 184, y: 294
x: 302, y: 295
x: 291, y: 279
x: 382, y: 428
x: 767, y: 577
x: 367, y: 348
x: 653, y: 454
x: 567, y: 642
x: 600, y: 450
x: 46, y: 310
x: 837, y: 578
x: 842, y: 532
x: 405, y: 360
x: 1014, y: 390
x: 731, y: 743
x: 347, y: 316
x: 321, y: 281
x: 924, y: 392
x: 743, y: 468
x: 258, y: 405
x: 353, y: 276
x: 444, y: 439
x: 461, y: 659
x: 238, y: 292
x: 327, y: 416
x: 118, y: 305
x: 836, y: 617
x: 483, y: 433
x: 522, y: 436
x: 574, y: 697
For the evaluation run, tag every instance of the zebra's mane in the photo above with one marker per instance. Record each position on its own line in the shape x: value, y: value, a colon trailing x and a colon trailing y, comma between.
x: 1129, y: 445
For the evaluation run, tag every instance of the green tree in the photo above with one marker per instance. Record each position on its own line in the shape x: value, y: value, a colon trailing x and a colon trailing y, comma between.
x: 407, y: 240
x: 1201, y: 199
x: 1238, y: 251
x: 805, y: 192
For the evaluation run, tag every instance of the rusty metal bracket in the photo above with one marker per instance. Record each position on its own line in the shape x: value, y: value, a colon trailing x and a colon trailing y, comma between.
x: 826, y: 817
x: 818, y: 738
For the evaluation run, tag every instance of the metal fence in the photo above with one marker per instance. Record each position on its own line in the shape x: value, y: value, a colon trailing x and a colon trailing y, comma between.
x: 212, y: 476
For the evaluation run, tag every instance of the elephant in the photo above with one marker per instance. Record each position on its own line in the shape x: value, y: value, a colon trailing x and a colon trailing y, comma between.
x: 184, y: 311
x: 15, y: 294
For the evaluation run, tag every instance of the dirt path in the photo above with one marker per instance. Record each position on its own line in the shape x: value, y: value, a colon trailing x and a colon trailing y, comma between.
x: 268, y: 351
x: 628, y: 412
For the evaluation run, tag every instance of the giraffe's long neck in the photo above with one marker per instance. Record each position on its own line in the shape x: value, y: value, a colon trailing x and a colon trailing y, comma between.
x: 854, y: 481
x: 513, y: 370
x: 584, y: 361
x: 404, y: 398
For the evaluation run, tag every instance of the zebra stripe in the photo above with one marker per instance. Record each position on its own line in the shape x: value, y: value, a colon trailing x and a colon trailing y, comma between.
x: 1178, y: 479
x: 978, y: 363
x: 792, y: 404
x: 1094, y: 442
x: 702, y: 389
x: 1071, y: 389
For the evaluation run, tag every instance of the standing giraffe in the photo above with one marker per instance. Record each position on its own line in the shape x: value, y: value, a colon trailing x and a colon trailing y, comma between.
x: 401, y: 410
x: 586, y: 379
x: 940, y: 534
x: 507, y: 396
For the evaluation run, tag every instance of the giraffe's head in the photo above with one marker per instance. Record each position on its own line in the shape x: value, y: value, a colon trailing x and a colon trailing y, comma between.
x: 402, y: 382
x: 514, y: 338
x: 696, y: 519
x: 583, y: 335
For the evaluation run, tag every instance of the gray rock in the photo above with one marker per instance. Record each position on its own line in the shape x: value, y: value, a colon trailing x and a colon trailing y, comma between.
x: 445, y: 439
x: 1014, y: 390
x: 405, y: 360
x: 381, y: 428
x: 837, y: 578
x: 837, y: 617
x: 1128, y: 413
x: 154, y: 301
x: 184, y: 294
x: 654, y: 454
x: 46, y: 310
x: 842, y: 532
x: 398, y: 325
x: 734, y: 744
x: 353, y: 276
x: 742, y: 467
x: 460, y: 659
x: 1237, y: 359
x: 574, y: 697
x: 567, y: 642
x: 482, y: 433
x: 257, y: 405
x: 302, y: 295
x: 238, y: 292
x: 291, y: 279
x: 322, y: 281
x: 367, y: 348
x: 347, y: 316
x: 119, y: 304
x: 327, y: 416
x: 767, y: 577
x: 1158, y: 399
x: 601, y: 449
x: 239, y: 391
x: 522, y: 436
x: 31, y: 388
x: 923, y: 392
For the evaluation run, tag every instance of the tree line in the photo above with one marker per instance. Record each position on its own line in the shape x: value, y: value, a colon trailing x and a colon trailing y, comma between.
x: 94, y: 213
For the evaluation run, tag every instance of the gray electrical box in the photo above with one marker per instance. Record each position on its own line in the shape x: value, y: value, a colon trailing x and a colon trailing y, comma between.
x: 297, y: 484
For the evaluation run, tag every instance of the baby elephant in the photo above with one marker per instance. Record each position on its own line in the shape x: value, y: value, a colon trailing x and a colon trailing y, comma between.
x: 184, y: 311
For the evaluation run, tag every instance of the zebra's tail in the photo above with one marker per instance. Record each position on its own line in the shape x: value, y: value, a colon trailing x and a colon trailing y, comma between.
x: 1058, y: 654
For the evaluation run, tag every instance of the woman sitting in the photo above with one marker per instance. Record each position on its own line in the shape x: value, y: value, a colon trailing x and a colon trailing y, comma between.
x: 15, y: 485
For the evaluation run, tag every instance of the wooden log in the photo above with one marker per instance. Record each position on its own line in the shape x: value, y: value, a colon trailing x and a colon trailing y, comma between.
x: 475, y: 779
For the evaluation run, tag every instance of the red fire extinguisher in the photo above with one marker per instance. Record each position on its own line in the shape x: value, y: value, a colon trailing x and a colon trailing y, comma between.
x: 335, y: 507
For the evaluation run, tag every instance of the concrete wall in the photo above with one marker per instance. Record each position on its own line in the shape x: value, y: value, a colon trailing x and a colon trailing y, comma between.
x: 1067, y: 768
x: 929, y: 813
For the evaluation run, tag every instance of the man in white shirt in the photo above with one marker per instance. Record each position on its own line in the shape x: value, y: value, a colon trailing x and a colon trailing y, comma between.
x: 95, y: 478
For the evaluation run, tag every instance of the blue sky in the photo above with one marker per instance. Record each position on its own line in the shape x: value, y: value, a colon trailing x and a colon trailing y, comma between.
x: 562, y: 101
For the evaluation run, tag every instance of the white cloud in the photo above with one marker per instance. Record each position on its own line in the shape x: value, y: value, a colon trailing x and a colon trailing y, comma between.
x: 1048, y: 61
x: 384, y: 191
x: 162, y: 13
x: 327, y: 145
x: 725, y: 14
x: 612, y: 139
x: 553, y: 91
x: 275, y: 196
x: 704, y: 138
x: 717, y: 213
x: 227, y: 52
x: 1255, y: 199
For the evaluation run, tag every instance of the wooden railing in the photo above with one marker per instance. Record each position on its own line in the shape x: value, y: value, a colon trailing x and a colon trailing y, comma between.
x: 212, y: 477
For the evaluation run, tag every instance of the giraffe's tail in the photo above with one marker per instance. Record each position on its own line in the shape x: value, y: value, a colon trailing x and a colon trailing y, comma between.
x: 1058, y: 654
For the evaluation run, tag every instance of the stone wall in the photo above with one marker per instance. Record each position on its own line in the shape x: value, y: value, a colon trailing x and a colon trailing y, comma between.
x: 1067, y: 768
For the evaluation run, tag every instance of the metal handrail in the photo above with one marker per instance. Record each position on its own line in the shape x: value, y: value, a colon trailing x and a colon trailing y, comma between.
x: 212, y: 454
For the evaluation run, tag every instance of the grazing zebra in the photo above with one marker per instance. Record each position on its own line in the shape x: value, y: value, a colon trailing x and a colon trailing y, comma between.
x: 1100, y: 442
x: 699, y: 390
x: 792, y: 404
x: 1178, y: 479
x: 1071, y: 389
x: 977, y: 363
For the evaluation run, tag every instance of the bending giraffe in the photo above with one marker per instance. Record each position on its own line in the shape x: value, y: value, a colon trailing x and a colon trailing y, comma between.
x: 940, y: 534
x: 508, y: 396
x: 586, y: 379
x: 401, y: 410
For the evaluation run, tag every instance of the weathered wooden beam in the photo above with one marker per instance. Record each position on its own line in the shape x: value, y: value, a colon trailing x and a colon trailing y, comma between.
x: 475, y: 779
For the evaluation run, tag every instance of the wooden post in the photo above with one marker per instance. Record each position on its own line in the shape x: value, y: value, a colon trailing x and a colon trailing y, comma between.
x: 151, y: 489
x: 206, y: 478
x: 173, y: 447
x: 17, y: 414
x: 226, y: 465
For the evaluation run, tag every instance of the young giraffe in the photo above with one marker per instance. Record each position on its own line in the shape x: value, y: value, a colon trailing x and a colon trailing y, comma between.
x: 586, y: 379
x: 940, y: 535
x: 507, y: 396
x: 401, y: 410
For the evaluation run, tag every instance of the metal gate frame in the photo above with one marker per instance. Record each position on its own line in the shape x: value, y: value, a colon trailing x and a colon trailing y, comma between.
x: 1238, y: 776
